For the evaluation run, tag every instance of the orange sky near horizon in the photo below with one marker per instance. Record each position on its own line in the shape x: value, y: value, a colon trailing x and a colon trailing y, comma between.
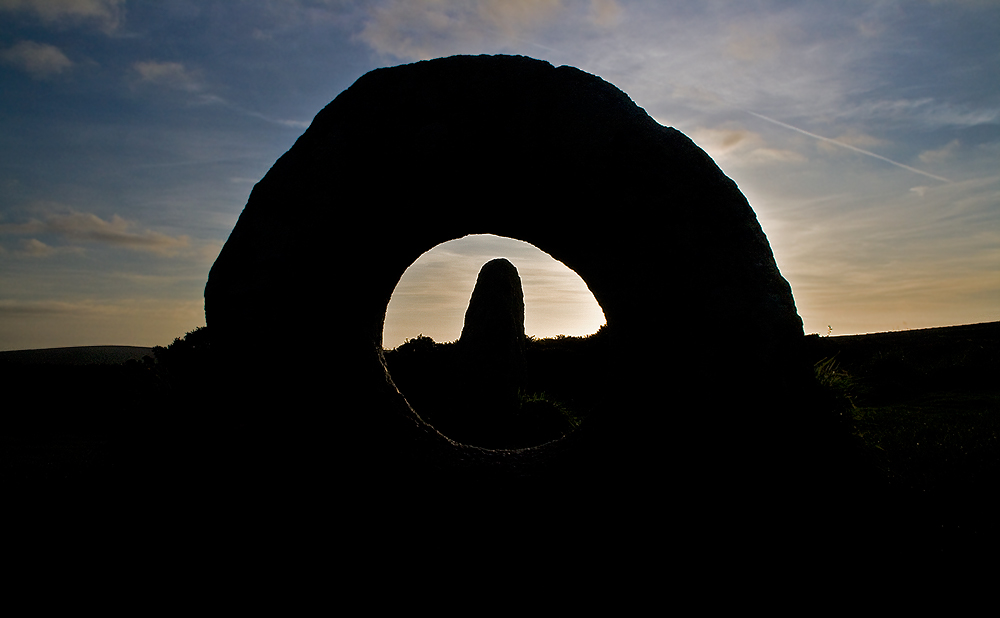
x: 433, y: 294
x: 865, y: 136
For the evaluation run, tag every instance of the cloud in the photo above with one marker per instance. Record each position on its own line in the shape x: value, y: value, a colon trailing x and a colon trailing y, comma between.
x: 605, y: 13
x: 774, y: 155
x: 284, y: 122
x: 852, y: 138
x: 926, y: 111
x: 423, y: 29
x: 515, y: 16
x: 40, y: 60
x: 828, y: 140
x: 16, y: 308
x: 104, y: 14
x: 96, y: 320
x: 724, y: 140
x: 929, y: 255
x: 941, y: 154
x: 116, y: 232
x: 36, y: 248
x: 295, y: 124
x: 734, y: 143
x: 750, y: 44
x: 168, y: 74
x: 87, y: 227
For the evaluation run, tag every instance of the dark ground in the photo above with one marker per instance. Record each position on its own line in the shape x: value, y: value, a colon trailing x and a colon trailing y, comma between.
x: 927, y: 402
x: 924, y: 411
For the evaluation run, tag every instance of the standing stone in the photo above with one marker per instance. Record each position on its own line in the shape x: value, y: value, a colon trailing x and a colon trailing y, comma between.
x: 561, y: 159
x: 492, y: 344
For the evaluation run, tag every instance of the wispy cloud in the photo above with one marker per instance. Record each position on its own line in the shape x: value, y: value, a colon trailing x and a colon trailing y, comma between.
x: 514, y: 16
x: 104, y: 14
x: 423, y: 29
x: 605, y: 13
x: 869, y: 153
x: 173, y: 75
x: 731, y: 142
x: 26, y: 324
x: 941, y: 154
x: 77, y: 226
x: 177, y: 76
x: 927, y: 111
x: 852, y: 137
x: 168, y: 120
x: 32, y: 247
x: 40, y: 60
x: 749, y: 43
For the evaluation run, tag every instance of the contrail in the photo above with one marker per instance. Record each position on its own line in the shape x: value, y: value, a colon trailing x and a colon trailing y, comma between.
x: 849, y: 147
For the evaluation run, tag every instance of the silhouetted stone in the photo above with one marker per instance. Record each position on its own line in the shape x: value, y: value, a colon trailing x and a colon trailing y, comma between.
x: 702, y: 328
x: 492, y: 342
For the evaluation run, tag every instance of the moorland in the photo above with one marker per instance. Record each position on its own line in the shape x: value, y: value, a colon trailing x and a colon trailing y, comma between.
x: 923, y: 409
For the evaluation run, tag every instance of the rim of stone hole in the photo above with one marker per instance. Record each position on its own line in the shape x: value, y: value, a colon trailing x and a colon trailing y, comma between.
x: 424, y: 417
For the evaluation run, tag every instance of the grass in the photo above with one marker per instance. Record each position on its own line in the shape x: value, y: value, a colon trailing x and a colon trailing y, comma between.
x: 937, y: 441
x: 563, y: 385
x: 837, y: 383
x: 925, y: 404
x: 543, y: 399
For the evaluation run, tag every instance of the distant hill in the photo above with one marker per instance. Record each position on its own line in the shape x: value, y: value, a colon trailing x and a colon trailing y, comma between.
x: 80, y: 355
x: 926, y: 345
x: 982, y: 329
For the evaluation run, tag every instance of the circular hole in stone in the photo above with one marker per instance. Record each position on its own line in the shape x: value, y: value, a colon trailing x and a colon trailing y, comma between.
x: 563, y: 351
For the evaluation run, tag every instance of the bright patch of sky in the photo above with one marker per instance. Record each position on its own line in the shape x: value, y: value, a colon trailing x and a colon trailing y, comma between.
x: 866, y: 136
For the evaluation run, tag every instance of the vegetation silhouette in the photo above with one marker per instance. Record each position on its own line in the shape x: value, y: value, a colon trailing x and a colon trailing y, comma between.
x: 917, y: 415
x: 925, y: 404
x: 563, y: 387
x: 108, y: 424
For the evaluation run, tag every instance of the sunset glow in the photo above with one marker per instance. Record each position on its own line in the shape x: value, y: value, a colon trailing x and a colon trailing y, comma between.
x: 434, y: 293
x: 866, y: 137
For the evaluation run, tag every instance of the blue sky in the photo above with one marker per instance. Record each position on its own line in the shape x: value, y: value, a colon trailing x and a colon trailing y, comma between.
x: 866, y: 136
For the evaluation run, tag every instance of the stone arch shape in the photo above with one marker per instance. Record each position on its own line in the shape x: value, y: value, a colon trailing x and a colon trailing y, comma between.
x: 415, y: 155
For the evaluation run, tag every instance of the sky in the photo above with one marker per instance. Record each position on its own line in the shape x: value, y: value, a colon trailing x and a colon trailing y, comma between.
x: 865, y: 135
